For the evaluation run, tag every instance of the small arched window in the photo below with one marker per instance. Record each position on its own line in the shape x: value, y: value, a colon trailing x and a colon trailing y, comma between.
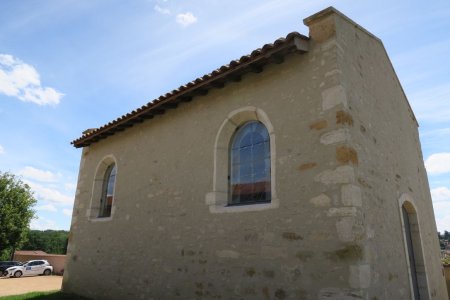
x: 107, y: 192
x: 249, y: 171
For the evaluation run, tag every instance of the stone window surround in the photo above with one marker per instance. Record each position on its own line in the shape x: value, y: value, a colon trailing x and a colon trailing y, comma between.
x: 97, y: 189
x: 217, y: 200
x: 408, y: 202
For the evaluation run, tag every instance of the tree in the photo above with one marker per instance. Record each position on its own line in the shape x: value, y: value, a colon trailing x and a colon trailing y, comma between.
x: 50, y: 241
x: 16, y: 202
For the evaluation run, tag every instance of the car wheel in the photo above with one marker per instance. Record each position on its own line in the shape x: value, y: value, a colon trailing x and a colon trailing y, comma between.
x: 17, y: 274
x: 47, y: 272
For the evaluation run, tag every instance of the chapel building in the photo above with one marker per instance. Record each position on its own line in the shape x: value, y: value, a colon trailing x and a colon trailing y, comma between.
x: 294, y: 172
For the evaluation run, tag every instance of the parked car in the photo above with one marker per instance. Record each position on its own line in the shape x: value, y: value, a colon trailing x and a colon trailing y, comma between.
x: 30, y: 268
x: 7, y: 264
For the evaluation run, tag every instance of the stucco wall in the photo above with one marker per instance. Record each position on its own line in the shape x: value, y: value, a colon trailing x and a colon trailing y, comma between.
x: 162, y: 229
x: 391, y: 169
x: 330, y: 234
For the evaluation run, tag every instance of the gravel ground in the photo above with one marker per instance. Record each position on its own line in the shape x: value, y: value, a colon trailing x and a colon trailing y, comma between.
x: 16, y: 286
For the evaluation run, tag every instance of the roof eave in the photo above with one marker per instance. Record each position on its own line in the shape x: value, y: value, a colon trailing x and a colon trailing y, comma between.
x: 253, y: 63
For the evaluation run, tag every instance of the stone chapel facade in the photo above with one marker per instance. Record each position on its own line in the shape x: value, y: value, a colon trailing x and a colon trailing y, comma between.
x: 294, y: 172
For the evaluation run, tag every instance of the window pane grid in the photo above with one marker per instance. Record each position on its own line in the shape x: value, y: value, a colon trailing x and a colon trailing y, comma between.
x: 108, y: 192
x: 250, y: 165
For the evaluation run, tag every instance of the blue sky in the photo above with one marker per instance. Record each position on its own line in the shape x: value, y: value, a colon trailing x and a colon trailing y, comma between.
x: 66, y: 66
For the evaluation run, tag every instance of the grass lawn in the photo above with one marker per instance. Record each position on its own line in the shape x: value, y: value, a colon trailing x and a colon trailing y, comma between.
x: 57, y: 295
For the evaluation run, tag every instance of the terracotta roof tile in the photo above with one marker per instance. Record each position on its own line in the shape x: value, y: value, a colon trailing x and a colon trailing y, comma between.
x: 254, y: 62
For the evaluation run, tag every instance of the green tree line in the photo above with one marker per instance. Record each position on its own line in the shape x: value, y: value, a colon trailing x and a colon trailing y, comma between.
x: 50, y: 241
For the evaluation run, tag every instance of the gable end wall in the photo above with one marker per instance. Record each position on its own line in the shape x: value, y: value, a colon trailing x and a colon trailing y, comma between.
x: 334, y: 231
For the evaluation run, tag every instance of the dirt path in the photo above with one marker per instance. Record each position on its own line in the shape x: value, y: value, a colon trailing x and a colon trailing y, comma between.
x: 16, y: 286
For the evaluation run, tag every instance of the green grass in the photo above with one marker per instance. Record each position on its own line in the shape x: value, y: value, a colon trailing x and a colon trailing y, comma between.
x: 56, y: 295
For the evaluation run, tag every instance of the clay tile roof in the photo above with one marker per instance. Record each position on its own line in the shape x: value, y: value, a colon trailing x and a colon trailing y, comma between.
x: 254, y: 62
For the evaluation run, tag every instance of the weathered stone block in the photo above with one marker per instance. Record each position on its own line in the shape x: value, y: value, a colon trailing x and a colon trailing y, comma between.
x: 228, y: 254
x: 351, y: 195
x: 342, y: 212
x: 335, y: 136
x: 359, y: 276
x: 320, y: 201
x: 334, y: 96
x: 342, y: 174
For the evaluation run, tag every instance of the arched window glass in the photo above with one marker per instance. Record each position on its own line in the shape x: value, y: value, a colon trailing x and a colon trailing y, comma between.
x: 249, y: 178
x: 415, y: 255
x: 108, y: 192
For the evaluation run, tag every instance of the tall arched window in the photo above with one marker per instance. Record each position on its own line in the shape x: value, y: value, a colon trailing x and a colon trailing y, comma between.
x: 107, y: 192
x: 411, y: 254
x: 414, y: 252
x: 249, y: 171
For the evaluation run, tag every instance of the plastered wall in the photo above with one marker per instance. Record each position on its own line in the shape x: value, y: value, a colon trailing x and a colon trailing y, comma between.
x: 390, y: 168
x: 335, y: 232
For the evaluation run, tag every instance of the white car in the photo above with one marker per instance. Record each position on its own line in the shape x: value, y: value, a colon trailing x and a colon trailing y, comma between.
x: 30, y: 268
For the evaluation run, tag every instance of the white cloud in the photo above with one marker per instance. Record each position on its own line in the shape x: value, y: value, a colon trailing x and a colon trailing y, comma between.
x: 441, y: 205
x: 161, y: 10
x: 438, y: 163
x: 2, y: 150
x: 43, y: 224
x: 443, y: 223
x: 38, y: 175
x: 47, y: 207
x: 67, y: 212
x: 20, y: 80
x: 49, y: 194
x: 186, y: 19
x: 47, y: 186
x: 440, y: 194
